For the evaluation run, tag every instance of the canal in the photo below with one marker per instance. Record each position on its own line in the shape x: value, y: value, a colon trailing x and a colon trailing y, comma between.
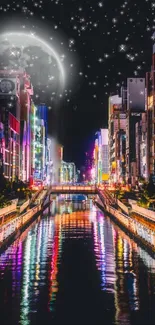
x: 75, y: 266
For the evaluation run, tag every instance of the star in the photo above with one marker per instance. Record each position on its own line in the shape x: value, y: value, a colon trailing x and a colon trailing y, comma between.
x: 100, y: 4
x: 122, y: 48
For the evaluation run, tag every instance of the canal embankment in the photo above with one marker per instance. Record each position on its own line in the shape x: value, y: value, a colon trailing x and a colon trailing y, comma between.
x: 11, y: 230
x: 136, y: 228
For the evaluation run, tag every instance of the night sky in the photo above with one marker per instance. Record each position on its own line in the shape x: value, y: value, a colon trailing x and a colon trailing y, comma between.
x: 101, y: 43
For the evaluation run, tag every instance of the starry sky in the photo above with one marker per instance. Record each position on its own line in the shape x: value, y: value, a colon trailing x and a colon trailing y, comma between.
x: 100, y: 44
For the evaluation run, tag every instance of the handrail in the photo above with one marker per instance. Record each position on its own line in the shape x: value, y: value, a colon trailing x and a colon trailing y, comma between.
x: 73, y: 188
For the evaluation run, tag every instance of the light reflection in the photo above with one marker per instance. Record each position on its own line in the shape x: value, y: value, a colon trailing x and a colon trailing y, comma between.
x: 103, y: 248
x: 53, y: 283
x: 25, y: 288
x: 34, y: 260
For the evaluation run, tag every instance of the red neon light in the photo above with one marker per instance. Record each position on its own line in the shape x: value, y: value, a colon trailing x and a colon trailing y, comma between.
x: 14, y: 123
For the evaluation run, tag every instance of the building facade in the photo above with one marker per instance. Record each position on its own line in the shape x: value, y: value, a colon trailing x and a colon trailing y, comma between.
x: 39, y: 145
x: 150, y: 86
x: 26, y: 135
x: 10, y: 124
x: 101, y: 157
x: 136, y: 99
x: 117, y: 140
x: 105, y: 155
x: 68, y: 173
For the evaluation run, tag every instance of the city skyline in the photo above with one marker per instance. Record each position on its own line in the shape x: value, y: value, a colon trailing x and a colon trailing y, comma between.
x: 100, y: 44
x: 77, y: 162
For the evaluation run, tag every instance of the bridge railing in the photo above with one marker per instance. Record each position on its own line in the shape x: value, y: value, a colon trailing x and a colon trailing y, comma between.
x: 73, y: 188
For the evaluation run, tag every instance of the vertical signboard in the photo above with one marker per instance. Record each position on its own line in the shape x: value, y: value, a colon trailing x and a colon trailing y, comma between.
x: 136, y: 94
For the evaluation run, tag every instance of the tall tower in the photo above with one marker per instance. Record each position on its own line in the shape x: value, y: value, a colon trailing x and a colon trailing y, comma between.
x: 150, y: 86
x: 135, y: 108
x: 10, y: 123
x: 26, y: 93
x: 117, y: 124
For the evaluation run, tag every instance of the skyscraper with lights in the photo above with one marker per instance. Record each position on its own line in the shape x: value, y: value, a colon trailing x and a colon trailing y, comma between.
x: 150, y: 86
x: 39, y: 144
x: 117, y: 139
x: 26, y: 124
x: 10, y: 124
x: 101, y: 157
x: 136, y: 99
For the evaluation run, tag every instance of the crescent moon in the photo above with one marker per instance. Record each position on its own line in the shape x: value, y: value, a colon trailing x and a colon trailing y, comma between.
x: 50, y: 49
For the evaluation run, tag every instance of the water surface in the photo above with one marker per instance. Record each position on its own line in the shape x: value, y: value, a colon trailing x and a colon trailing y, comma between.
x: 75, y: 266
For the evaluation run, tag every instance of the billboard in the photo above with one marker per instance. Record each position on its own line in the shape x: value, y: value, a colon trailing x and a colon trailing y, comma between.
x: 8, y: 86
x: 14, y: 123
x: 114, y: 102
x: 104, y: 136
x: 105, y: 177
x: 117, y: 108
x: 136, y: 94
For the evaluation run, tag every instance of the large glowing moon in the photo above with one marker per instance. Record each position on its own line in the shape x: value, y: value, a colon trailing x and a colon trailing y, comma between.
x: 24, y: 41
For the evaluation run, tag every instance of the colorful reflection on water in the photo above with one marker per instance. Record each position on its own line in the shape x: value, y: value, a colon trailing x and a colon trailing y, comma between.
x: 75, y: 266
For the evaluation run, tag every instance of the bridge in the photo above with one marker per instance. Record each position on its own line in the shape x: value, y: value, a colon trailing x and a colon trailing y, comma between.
x: 73, y: 189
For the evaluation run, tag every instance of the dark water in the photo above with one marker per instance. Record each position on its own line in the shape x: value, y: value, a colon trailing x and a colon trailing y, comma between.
x: 75, y: 266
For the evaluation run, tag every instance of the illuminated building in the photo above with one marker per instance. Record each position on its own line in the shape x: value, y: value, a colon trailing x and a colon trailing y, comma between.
x: 101, y: 160
x: 42, y: 116
x: 26, y: 134
x: 39, y: 144
x: 150, y: 86
x: 104, y: 155
x: 64, y: 178
x: 135, y: 108
x: 59, y: 159
x: 121, y: 156
x: 68, y: 173
x: 33, y: 143
x: 117, y: 139
x: 97, y: 156
x: 89, y: 164
x: 96, y: 149
x: 77, y: 177
x: 127, y: 133
x: 49, y: 163
x: 141, y: 149
x: 1, y: 146
x: 10, y: 124
x: 15, y: 147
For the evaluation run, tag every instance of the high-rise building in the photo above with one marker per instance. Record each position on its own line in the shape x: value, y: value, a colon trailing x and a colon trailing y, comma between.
x: 150, y: 86
x: 121, y: 156
x: 98, y: 158
x: 101, y: 160
x: 15, y: 101
x: 141, y: 150
x: 49, y: 163
x: 10, y: 124
x: 68, y: 173
x: 105, y: 155
x: 117, y: 139
x: 26, y: 125
x: 39, y: 145
x: 59, y: 163
x: 135, y: 107
x: 89, y: 164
